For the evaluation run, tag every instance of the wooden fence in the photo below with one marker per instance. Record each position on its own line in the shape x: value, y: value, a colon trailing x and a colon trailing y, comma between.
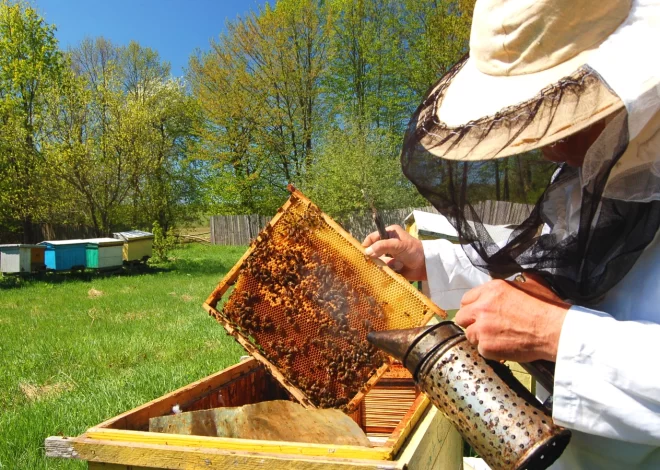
x: 502, y: 212
x: 41, y: 232
x: 236, y: 229
x: 241, y: 229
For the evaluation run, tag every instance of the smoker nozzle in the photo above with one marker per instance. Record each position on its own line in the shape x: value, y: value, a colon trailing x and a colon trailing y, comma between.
x: 413, y: 345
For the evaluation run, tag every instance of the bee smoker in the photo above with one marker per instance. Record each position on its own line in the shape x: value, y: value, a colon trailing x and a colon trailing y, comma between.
x: 492, y: 410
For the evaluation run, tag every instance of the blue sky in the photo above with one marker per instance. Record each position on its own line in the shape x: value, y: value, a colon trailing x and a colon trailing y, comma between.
x: 175, y: 28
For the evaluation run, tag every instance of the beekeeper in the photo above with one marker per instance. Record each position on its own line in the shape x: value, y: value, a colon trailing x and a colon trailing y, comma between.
x: 575, y: 82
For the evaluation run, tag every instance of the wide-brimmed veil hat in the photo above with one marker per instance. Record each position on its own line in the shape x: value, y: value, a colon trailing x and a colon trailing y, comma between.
x: 537, y: 71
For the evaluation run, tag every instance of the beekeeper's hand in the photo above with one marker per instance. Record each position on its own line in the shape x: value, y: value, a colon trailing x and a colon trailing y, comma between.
x: 405, y: 254
x: 508, y: 322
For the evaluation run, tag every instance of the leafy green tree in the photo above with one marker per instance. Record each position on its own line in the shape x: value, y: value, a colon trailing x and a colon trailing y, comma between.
x: 120, y: 130
x: 259, y: 91
x: 364, y: 79
x: 436, y: 35
x: 171, y: 192
x: 30, y: 63
x: 295, y: 92
x: 350, y: 163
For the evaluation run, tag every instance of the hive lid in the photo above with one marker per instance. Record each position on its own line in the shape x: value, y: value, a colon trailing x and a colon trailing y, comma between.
x: 63, y: 242
x: 133, y: 235
x: 19, y: 245
x: 438, y: 226
x: 305, y: 296
x: 105, y: 241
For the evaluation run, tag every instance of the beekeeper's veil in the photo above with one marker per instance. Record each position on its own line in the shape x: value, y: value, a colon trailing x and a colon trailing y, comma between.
x: 539, y: 72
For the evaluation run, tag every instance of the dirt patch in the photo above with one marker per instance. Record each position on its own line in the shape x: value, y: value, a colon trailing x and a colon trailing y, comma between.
x: 94, y: 293
x: 187, y: 298
x: 134, y: 315
x: 40, y: 392
x: 173, y: 294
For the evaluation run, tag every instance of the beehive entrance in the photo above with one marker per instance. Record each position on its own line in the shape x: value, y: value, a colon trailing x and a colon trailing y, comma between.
x: 305, y: 296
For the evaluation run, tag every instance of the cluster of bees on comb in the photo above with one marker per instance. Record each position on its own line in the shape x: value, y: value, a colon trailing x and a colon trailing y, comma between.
x: 293, y: 302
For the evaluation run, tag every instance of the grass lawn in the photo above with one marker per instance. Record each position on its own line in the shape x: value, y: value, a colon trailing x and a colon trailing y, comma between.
x: 76, y: 350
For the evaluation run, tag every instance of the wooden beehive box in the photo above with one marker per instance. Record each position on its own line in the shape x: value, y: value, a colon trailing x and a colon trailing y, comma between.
x: 63, y: 255
x: 20, y: 258
x: 138, y: 245
x: 406, y: 432
x: 104, y: 253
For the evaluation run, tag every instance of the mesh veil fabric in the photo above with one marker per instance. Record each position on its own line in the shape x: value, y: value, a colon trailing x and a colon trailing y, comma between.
x: 600, y: 217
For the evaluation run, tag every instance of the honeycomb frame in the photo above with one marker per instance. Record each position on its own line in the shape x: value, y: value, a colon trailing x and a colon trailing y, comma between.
x: 305, y: 296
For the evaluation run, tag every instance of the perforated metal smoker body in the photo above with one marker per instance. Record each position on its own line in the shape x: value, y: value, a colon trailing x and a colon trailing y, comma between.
x: 305, y: 296
x: 502, y: 421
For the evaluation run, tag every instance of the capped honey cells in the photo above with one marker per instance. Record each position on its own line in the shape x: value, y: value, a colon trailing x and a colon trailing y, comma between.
x: 304, y: 298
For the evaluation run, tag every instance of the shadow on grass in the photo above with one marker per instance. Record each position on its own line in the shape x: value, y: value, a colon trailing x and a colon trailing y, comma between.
x: 14, y: 281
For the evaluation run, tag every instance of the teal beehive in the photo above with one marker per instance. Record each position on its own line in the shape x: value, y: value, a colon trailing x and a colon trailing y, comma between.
x: 104, y: 253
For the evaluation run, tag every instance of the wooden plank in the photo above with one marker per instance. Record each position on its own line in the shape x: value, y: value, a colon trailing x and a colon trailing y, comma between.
x: 163, y: 405
x: 112, y: 466
x: 185, y: 458
x: 246, y: 445
x: 408, y: 423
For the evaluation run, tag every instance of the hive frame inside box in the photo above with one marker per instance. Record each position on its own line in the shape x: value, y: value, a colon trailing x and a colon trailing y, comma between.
x: 231, y: 277
x: 123, y: 440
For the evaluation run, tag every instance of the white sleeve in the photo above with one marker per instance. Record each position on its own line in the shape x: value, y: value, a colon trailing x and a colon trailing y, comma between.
x: 606, y: 380
x: 450, y: 273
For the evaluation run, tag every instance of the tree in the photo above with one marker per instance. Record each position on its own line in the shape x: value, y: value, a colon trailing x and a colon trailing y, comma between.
x: 350, y: 162
x: 171, y: 192
x: 436, y: 35
x: 30, y: 63
x: 259, y: 90
x: 364, y: 79
x: 120, y: 130
x: 293, y: 89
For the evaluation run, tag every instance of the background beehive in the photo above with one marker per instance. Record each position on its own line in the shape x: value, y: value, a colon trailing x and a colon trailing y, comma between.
x: 305, y: 296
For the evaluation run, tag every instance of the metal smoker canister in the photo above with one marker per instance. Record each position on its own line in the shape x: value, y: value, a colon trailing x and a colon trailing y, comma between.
x: 493, y: 411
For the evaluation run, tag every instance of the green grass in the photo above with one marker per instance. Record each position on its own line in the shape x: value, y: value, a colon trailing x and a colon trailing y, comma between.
x: 71, y: 357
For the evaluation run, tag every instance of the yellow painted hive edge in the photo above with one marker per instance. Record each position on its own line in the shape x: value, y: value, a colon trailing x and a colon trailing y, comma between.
x: 113, y: 454
x: 248, y: 445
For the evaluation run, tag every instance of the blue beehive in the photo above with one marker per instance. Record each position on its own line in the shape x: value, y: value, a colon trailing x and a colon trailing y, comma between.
x: 62, y: 255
